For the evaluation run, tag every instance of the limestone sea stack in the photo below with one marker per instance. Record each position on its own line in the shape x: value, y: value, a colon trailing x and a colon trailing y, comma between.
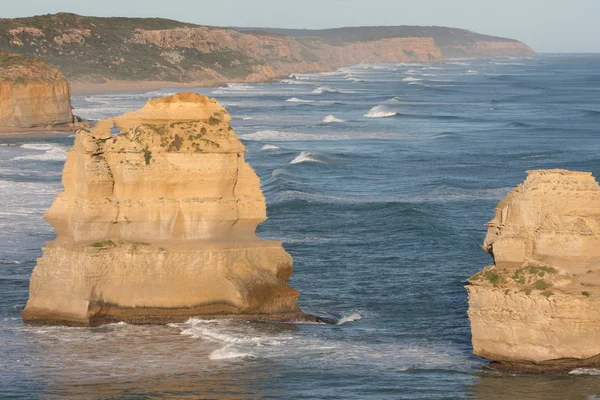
x: 157, y: 223
x: 33, y: 94
x: 537, y: 308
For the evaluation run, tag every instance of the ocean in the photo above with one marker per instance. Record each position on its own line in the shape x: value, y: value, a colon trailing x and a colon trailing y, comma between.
x: 379, y: 180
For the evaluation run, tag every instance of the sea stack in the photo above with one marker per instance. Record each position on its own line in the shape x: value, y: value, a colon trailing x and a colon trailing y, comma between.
x: 33, y: 94
x: 157, y: 223
x: 536, y: 308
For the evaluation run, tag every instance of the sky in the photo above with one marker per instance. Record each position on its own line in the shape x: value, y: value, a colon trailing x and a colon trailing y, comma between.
x: 545, y: 25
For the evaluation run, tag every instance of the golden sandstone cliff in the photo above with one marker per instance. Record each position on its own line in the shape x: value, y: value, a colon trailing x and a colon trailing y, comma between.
x: 536, y: 308
x: 157, y: 224
x: 32, y: 94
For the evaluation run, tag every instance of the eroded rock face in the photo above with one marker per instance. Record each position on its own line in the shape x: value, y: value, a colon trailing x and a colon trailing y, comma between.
x: 536, y: 308
x: 156, y: 224
x: 32, y: 94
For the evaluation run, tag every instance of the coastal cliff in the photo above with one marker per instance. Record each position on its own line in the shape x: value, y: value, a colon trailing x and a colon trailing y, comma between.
x: 97, y: 50
x: 535, y: 309
x: 32, y: 94
x: 157, y: 224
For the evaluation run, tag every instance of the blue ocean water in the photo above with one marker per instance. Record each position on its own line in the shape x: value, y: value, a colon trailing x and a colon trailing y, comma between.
x: 379, y: 179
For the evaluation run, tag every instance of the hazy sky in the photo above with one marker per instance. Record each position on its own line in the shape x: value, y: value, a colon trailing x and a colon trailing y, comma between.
x: 545, y: 25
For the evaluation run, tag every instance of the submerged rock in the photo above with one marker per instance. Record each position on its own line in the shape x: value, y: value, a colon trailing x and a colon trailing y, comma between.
x: 536, y: 308
x: 33, y: 94
x: 157, y: 224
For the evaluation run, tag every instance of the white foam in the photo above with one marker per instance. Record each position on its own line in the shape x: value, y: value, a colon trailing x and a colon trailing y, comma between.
x: 349, y: 318
x: 325, y: 89
x: 330, y: 118
x: 229, y: 352
x: 411, y: 79
x: 269, y: 147
x: 585, y: 371
x: 380, y: 111
x: 297, y: 100
x: 306, y: 156
x: 7, y: 262
x: 274, y: 136
x: 52, y: 152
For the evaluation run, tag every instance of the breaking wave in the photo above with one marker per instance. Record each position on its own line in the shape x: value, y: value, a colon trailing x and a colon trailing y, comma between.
x: 348, y: 318
x: 325, y: 89
x: 297, y: 100
x: 307, y: 156
x: 269, y: 147
x: 51, y: 152
x: 330, y: 118
x: 380, y: 111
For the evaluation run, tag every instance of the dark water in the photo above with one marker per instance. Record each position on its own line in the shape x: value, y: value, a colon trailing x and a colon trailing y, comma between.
x: 383, y: 214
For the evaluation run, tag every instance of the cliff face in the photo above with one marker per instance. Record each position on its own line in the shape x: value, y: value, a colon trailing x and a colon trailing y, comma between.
x: 536, y: 308
x: 92, y: 49
x: 156, y: 224
x: 32, y: 94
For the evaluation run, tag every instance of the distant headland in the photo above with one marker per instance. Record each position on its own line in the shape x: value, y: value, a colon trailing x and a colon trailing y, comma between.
x: 141, y: 53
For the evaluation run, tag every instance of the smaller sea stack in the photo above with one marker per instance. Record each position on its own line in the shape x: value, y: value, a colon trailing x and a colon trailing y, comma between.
x: 33, y: 94
x: 536, y: 308
x: 157, y: 224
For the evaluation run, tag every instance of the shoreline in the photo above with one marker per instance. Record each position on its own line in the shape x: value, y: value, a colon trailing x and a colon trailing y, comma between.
x: 78, y: 88
x: 42, y: 132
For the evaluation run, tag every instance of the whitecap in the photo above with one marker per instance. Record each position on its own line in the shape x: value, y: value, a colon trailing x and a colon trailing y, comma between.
x: 411, y: 79
x: 297, y: 100
x: 325, y: 89
x: 229, y: 352
x: 307, y: 156
x: 349, y: 318
x: 9, y: 262
x: 380, y: 111
x: 269, y: 147
x: 331, y: 118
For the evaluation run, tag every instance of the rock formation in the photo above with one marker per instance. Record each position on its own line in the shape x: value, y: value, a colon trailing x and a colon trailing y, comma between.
x: 536, y: 308
x: 157, y: 224
x: 32, y: 94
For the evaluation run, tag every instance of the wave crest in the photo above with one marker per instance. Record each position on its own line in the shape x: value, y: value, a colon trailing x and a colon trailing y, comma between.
x: 380, y: 111
x: 330, y: 118
x: 307, y: 156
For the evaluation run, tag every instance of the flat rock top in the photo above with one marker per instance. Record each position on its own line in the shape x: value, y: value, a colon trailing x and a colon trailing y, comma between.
x: 182, y: 107
x: 18, y: 69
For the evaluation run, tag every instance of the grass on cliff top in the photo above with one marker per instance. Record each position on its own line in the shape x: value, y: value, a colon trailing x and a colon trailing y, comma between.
x: 20, y: 69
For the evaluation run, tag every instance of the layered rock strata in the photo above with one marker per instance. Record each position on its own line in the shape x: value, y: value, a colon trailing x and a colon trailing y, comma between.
x: 157, y: 224
x: 32, y: 94
x: 536, y: 308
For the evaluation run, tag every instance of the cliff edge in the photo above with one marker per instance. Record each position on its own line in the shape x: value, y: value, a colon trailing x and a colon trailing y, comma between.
x: 157, y: 223
x: 32, y: 94
x: 536, y: 308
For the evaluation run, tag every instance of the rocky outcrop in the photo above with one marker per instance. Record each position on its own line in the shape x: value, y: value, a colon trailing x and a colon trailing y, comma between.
x: 157, y: 224
x: 32, y: 94
x: 536, y: 308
